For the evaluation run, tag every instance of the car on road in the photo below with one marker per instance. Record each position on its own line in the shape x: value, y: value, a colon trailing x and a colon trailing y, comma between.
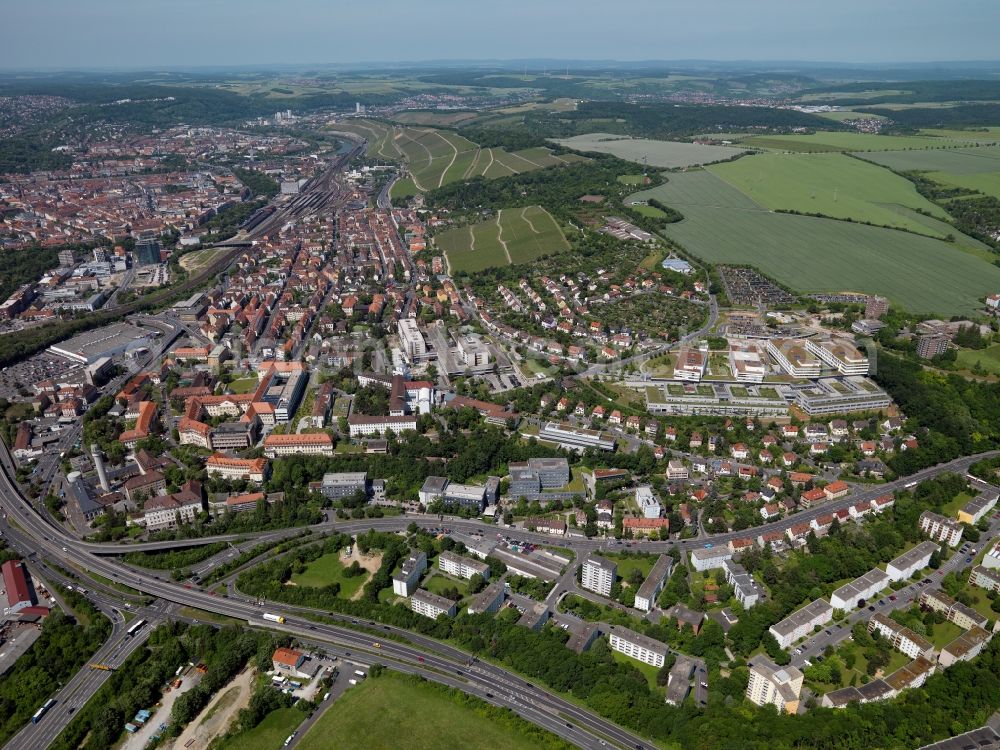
x: 892, y: 597
x: 871, y: 608
x: 968, y: 560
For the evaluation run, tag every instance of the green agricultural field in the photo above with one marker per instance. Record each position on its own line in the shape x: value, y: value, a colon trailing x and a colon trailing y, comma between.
x: 977, y: 135
x: 845, y: 114
x: 847, y: 141
x: 834, y: 185
x: 722, y: 225
x: 432, y: 117
x: 669, y: 154
x: 427, y: 718
x: 516, y: 235
x: 955, y: 161
x: 326, y: 570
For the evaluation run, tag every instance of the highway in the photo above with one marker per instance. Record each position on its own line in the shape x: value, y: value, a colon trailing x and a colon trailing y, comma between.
x: 428, y: 657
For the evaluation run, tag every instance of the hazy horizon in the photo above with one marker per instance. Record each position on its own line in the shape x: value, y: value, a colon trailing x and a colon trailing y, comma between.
x: 185, y: 34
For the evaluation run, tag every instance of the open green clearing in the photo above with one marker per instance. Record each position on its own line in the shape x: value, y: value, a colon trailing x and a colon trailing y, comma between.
x: 670, y: 154
x: 988, y: 359
x: 846, y: 141
x: 830, y: 184
x: 403, y: 188
x: 722, y: 225
x: 516, y: 235
x: 439, y: 157
x: 326, y: 570
x: 244, y: 385
x: 269, y: 734
x: 408, y: 715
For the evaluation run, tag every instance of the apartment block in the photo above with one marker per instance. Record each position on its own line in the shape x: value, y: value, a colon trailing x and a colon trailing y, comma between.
x: 431, y: 605
x: 940, y: 528
x: 707, y: 558
x: 637, y: 646
x: 645, y: 595
x: 404, y: 583
x: 964, y: 648
x: 865, y: 587
x: 801, y: 622
x: 901, y: 637
x: 462, y: 567
x: 954, y: 611
x: 771, y: 685
x: 986, y: 578
x: 911, y: 561
x: 489, y: 600
x: 977, y: 507
x: 598, y: 575
x: 745, y: 588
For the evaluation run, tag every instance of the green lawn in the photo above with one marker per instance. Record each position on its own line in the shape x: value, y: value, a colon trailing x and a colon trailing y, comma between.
x: 922, y: 274
x: 952, y: 507
x: 270, y: 734
x: 392, y: 711
x: 439, y: 581
x: 944, y: 633
x: 403, y: 188
x: 834, y: 185
x: 244, y: 385
x: 647, y: 669
x: 627, y: 564
x: 325, y: 570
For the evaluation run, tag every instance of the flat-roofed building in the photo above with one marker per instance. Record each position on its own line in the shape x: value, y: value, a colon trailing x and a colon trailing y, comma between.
x: 645, y: 595
x: 986, y: 578
x: 745, y: 588
x: 431, y: 605
x: 404, y: 583
x: 598, y: 575
x: 901, y: 637
x: 637, y: 646
x: 973, y: 511
x: 337, y: 485
x: 992, y: 557
x: 648, y: 503
x: 911, y: 675
x: 848, y: 596
x: 535, y: 616
x: 690, y: 365
x: 679, y: 680
x: 940, y: 528
x: 911, y: 561
x: 801, y: 622
x: 794, y: 358
x: 964, y: 648
x: 576, y: 438
x: 771, y: 685
x: 411, y: 340
x: 746, y: 363
x: 462, y: 567
x: 708, y: 558
x: 489, y: 600
x: 841, y: 355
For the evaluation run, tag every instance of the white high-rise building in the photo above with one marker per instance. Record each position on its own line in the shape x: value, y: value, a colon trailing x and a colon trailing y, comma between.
x: 411, y: 340
x: 598, y: 575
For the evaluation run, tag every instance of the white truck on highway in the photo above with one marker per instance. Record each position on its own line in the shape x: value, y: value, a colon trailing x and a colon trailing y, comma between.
x: 274, y: 618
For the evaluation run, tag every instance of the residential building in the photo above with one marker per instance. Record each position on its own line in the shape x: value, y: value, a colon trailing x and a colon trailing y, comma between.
x: 637, y: 646
x: 287, y: 661
x: 954, y: 611
x: 645, y: 595
x: 932, y: 344
x: 462, y: 567
x: 986, y: 578
x: 411, y: 340
x: 940, y: 528
x: 404, y: 583
x: 771, y: 685
x: 964, y: 648
x: 977, y: 507
x: 992, y: 557
x: 802, y: 622
x: 676, y: 470
x: 911, y: 561
x: 745, y: 588
x: 227, y: 467
x: 598, y: 575
x: 849, y: 596
x: 425, y: 603
x: 489, y: 600
x: 901, y: 637
x: 707, y: 558
x: 645, y: 526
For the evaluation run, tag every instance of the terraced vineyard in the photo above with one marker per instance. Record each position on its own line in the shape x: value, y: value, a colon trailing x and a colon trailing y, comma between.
x: 439, y: 157
x: 516, y: 235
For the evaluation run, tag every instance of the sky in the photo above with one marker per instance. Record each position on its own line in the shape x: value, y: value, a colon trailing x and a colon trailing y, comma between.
x: 129, y: 34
